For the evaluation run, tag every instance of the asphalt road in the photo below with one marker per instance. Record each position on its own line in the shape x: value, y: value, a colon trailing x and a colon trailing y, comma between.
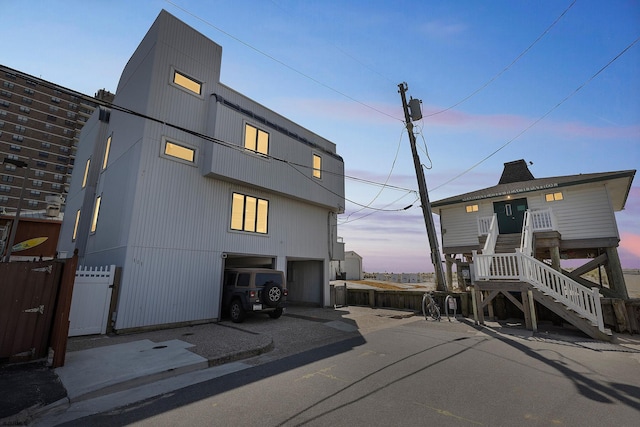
x: 411, y: 373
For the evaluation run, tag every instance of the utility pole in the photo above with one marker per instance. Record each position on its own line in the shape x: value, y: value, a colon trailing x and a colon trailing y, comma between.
x: 436, y: 259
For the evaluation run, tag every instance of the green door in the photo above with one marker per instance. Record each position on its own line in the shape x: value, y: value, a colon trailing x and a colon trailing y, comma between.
x: 510, y: 215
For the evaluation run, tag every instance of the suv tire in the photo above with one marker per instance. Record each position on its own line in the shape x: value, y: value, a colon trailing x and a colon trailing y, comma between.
x: 272, y: 294
x: 236, y: 311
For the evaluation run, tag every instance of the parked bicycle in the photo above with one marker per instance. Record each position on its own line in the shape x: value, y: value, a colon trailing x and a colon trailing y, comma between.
x: 430, y: 307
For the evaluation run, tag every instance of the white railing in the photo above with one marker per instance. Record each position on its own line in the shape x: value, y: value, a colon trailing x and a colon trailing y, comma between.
x: 484, y: 224
x: 492, y: 233
x: 526, y: 241
x: 518, y: 266
x: 542, y: 220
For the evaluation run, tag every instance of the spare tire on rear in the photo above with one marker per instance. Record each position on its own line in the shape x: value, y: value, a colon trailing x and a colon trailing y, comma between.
x: 272, y: 294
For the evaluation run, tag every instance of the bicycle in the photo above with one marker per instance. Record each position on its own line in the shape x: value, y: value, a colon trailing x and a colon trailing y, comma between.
x: 430, y: 307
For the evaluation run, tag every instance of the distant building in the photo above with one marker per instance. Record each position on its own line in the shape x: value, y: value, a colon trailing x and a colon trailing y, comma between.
x: 184, y: 177
x: 39, y: 125
x: 348, y: 269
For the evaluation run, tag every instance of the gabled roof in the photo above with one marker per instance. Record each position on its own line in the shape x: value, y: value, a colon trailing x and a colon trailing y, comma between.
x: 511, y: 183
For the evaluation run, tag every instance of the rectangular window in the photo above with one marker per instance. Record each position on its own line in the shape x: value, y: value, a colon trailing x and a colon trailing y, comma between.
x: 471, y: 208
x: 37, y: 183
x: 553, y: 197
x: 317, y: 166
x: 96, y: 210
x: 187, y: 83
x: 33, y: 203
x: 75, y: 226
x: 256, y: 139
x: 86, y: 173
x: 106, y: 153
x: 249, y: 214
x: 179, y: 151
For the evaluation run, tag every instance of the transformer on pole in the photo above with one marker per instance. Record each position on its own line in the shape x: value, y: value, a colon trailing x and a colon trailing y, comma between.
x: 416, y: 114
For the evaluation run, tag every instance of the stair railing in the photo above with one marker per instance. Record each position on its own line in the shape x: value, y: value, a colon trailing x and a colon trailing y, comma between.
x: 526, y: 241
x: 492, y: 236
x: 519, y: 266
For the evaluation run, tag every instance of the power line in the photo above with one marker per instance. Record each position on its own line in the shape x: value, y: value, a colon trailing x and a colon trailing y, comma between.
x: 538, y: 120
x: 491, y: 80
x: 295, y: 70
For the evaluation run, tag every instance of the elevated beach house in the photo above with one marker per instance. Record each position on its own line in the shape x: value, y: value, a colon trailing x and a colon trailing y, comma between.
x: 517, y: 232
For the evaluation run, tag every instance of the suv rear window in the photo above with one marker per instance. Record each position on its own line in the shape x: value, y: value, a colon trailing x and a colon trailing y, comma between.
x: 244, y: 279
x: 264, y: 278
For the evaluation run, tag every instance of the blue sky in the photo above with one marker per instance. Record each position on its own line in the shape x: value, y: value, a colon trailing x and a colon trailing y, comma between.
x: 334, y: 67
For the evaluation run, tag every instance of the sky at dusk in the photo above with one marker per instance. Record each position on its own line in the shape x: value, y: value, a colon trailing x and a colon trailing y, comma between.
x: 553, y: 82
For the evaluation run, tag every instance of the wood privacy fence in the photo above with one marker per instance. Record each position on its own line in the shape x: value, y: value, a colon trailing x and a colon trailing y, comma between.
x: 91, y: 300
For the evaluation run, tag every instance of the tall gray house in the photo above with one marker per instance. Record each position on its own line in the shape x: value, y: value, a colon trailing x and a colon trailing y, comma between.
x: 184, y: 177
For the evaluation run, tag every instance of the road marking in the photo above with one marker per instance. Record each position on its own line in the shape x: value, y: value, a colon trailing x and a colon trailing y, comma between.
x: 323, y: 373
x: 447, y: 413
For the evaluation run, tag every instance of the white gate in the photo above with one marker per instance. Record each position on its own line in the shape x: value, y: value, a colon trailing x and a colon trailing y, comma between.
x: 91, y: 299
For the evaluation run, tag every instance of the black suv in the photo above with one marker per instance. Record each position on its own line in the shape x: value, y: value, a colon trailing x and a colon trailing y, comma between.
x: 253, y: 290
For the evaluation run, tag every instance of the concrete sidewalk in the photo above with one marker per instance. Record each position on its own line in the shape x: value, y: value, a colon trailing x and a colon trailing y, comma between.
x: 105, y: 372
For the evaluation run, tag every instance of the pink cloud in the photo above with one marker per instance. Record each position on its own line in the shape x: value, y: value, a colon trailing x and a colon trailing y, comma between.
x: 631, y: 244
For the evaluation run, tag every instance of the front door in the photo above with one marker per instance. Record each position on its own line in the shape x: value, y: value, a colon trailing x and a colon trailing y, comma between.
x: 510, y: 215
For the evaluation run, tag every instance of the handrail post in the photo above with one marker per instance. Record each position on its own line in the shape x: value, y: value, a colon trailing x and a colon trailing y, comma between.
x: 598, y: 307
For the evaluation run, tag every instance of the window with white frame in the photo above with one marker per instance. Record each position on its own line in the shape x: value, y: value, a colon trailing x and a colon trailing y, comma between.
x: 249, y: 214
x: 471, y: 208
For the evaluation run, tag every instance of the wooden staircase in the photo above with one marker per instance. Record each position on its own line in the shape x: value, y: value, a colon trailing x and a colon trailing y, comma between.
x: 508, y: 270
x: 507, y: 243
x: 571, y: 316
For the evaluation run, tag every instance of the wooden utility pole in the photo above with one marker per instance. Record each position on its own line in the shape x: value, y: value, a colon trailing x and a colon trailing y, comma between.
x: 436, y: 259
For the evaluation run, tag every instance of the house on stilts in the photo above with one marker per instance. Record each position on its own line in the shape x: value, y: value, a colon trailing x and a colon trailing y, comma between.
x: 516, y: 233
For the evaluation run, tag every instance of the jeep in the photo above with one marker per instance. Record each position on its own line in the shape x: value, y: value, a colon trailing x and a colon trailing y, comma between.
x: 259, y: 290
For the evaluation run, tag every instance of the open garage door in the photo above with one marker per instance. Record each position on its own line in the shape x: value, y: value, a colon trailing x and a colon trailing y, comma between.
x: 305, y: 282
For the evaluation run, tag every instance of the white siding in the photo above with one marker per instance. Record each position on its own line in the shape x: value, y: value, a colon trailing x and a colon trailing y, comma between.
x: 458, y: 227
x: 585, y: 213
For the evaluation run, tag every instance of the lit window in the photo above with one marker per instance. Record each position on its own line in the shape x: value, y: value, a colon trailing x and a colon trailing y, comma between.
x: 471, y: 208
x: 553, y: 197
x: 86, y: 173
x: 249, y: 214
x: 179, y: 151
x: 187, y: 82
x: 256, y: 139
x: 106, y: 153
x: 317, y: 166
x: 75, y: 226
x: 96, y: 210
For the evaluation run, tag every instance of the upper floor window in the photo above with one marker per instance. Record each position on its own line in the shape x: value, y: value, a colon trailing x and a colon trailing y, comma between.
x: 317, y: 166
x: 249, y: 214
x: 179, y: 151
x: 75, y: 226
x: 107, y: 148
x: 187, y: 82
x: 96, y: 211
x: 256, y: 139
x: 471, y: 208
x: 86, y: 173
x: 553, y: 197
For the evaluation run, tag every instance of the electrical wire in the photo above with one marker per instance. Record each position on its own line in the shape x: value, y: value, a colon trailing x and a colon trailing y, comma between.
x: 539, y: 119
x: 393, y: 164
x: 491, y: 80
x: 289, y: 67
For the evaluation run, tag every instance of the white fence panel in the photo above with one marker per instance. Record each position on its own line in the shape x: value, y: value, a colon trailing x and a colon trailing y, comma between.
x: 89, y: 313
